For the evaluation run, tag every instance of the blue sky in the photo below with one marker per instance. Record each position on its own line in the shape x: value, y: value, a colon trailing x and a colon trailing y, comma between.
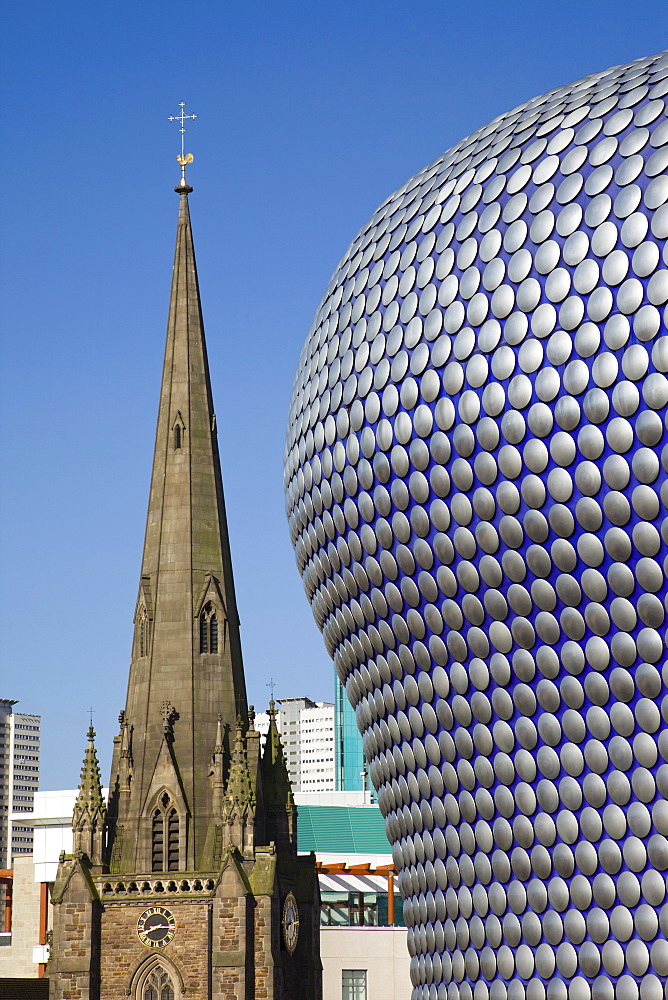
x: 309, y: 115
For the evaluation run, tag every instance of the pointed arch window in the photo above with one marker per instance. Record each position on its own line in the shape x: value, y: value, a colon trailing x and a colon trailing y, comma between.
x: 178, y: 432
x: 208, y: 629
x: 165, y: 837
x: 158, y: 986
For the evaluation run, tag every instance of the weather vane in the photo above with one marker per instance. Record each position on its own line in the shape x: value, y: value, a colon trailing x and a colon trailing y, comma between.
x: 185, y: 158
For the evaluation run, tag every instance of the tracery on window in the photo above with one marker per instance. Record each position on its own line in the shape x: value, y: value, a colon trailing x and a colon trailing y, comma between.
x: 165, y: 837
x: 158, y: 986
x: 208, y: 629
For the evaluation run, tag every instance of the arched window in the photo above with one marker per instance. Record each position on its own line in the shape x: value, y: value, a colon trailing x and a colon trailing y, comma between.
x: 156, y: 979
x: 165, y: 832
x: 173, y: 841
x: 177, y: 436
x: 208, y: 630
x: 158, y: 986
x: 158, y: 842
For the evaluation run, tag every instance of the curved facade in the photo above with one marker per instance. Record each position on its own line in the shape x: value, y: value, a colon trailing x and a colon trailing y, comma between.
x: 477, y: 488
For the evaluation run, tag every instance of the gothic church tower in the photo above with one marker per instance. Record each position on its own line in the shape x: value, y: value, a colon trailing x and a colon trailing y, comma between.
x: 188, y: 885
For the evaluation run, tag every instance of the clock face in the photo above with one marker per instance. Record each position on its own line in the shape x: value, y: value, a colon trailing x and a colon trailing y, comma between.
x: 156, y: 927
x: 290, y: 922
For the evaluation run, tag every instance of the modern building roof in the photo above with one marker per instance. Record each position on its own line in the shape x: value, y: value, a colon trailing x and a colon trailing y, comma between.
x: 341, y: 830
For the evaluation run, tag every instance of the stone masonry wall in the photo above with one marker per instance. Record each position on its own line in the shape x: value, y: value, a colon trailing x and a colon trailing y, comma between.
x: 264, y: 968
x: 231, y: 968
x: 123, y: 952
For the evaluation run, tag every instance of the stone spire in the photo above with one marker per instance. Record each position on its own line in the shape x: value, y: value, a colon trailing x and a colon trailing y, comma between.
x: 186, y: 649
x: 279, y: 803
x: 90, y: 810
x: 185, y: 826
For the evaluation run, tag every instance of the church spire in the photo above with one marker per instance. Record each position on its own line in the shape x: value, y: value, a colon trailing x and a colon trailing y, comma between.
x: 186, y: 824
x: 89, y: 809
x: 186, y: 649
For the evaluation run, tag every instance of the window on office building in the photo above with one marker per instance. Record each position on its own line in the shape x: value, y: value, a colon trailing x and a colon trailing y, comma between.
x: 353, y: 984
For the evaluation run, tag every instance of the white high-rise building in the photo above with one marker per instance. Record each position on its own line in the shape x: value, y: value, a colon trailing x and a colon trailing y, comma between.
x: 19, y: 779
x: 307, y: 734
x: 316, y: 733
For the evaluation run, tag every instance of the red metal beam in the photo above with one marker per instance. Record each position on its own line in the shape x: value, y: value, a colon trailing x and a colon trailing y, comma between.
x: 43, y: 921
x: 8, y: 904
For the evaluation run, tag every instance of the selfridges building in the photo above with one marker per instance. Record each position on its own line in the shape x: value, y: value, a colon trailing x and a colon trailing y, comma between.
x: 477, y: 486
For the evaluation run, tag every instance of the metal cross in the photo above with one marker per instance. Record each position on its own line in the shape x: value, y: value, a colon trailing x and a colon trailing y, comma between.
x: 183, y: 117
x: 91, y: 711
x: 271, y: 685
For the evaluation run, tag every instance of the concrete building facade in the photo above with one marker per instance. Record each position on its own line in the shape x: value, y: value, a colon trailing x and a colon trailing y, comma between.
x: 20, y: 954
x: 307, y: 729
x: 368, y: 963
x: 322, y: 743
x: 19, y: 779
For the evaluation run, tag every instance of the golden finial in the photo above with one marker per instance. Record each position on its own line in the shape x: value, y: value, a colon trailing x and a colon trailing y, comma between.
x: 184, y: 158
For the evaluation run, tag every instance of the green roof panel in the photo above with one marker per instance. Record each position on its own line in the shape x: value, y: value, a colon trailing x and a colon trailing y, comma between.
x: 341, y: 829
